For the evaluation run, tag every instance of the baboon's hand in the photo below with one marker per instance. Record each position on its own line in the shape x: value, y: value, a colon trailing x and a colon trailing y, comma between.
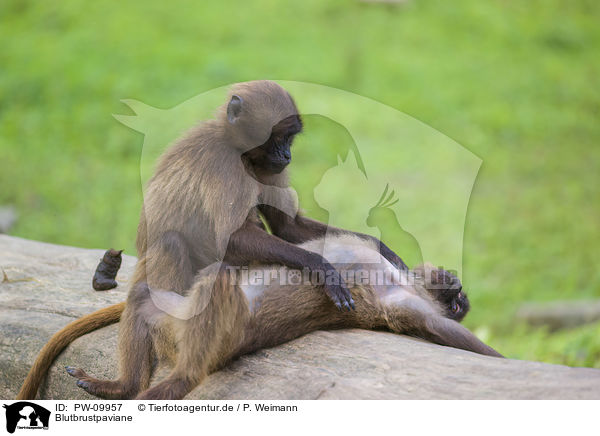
x: 337, y: 291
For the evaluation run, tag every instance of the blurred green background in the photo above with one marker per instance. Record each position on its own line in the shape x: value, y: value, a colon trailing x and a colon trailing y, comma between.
x: 514, y: 82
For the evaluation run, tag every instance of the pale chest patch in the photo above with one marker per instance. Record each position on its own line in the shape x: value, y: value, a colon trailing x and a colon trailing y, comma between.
x: 253, y: 294
x: 255, y: 281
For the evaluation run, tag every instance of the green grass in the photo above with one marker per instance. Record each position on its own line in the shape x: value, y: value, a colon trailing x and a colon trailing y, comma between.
x: 516, y: 83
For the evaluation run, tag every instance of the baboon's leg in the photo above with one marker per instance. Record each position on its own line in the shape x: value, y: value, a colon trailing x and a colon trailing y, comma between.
x: 135, y: 353
x: 435, y: 328
x: 208, y: 338
x: 167, y: 266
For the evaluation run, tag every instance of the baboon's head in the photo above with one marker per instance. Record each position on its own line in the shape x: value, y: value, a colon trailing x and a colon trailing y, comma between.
x: 446, y: 289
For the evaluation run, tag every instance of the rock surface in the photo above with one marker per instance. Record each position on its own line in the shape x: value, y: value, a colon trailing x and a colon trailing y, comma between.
x: 560, y: 314
x: 46, y: 286
x: 8, y: 217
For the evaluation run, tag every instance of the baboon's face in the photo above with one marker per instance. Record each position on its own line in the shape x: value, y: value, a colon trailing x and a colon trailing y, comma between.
x: 447, y: 289
x: 275, y: 154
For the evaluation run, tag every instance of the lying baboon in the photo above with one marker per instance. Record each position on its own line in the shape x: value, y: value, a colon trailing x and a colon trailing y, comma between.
x: 234, y: 311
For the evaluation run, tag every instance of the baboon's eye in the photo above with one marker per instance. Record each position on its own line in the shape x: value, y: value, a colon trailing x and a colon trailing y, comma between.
x: 455, y: 307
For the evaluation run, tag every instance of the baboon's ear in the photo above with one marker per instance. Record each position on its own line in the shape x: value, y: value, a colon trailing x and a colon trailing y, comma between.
x: 234, y: 108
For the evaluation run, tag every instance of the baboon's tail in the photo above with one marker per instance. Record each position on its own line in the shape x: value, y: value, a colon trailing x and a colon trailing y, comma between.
x: 59, y: 341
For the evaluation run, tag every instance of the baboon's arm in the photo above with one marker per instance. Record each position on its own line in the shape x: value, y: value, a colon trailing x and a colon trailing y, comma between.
x: 448, y: 332
x: 301, y: 229
x: 435, y: 328
x: 251, y: 244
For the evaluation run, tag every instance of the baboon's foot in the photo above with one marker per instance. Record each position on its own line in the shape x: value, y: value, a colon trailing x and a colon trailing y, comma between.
x: 107, y: 389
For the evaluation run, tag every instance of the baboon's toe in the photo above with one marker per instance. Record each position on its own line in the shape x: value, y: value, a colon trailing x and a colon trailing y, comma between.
x: 83, y: 384
x: 75, y: 372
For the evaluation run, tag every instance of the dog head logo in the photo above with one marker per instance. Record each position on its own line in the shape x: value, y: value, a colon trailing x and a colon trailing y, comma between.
x: 26, y: 415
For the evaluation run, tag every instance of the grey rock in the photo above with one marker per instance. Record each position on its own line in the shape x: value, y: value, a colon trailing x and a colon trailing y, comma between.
x: 49, y: 286
x: 8, y: 217
x: 559, y: 315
